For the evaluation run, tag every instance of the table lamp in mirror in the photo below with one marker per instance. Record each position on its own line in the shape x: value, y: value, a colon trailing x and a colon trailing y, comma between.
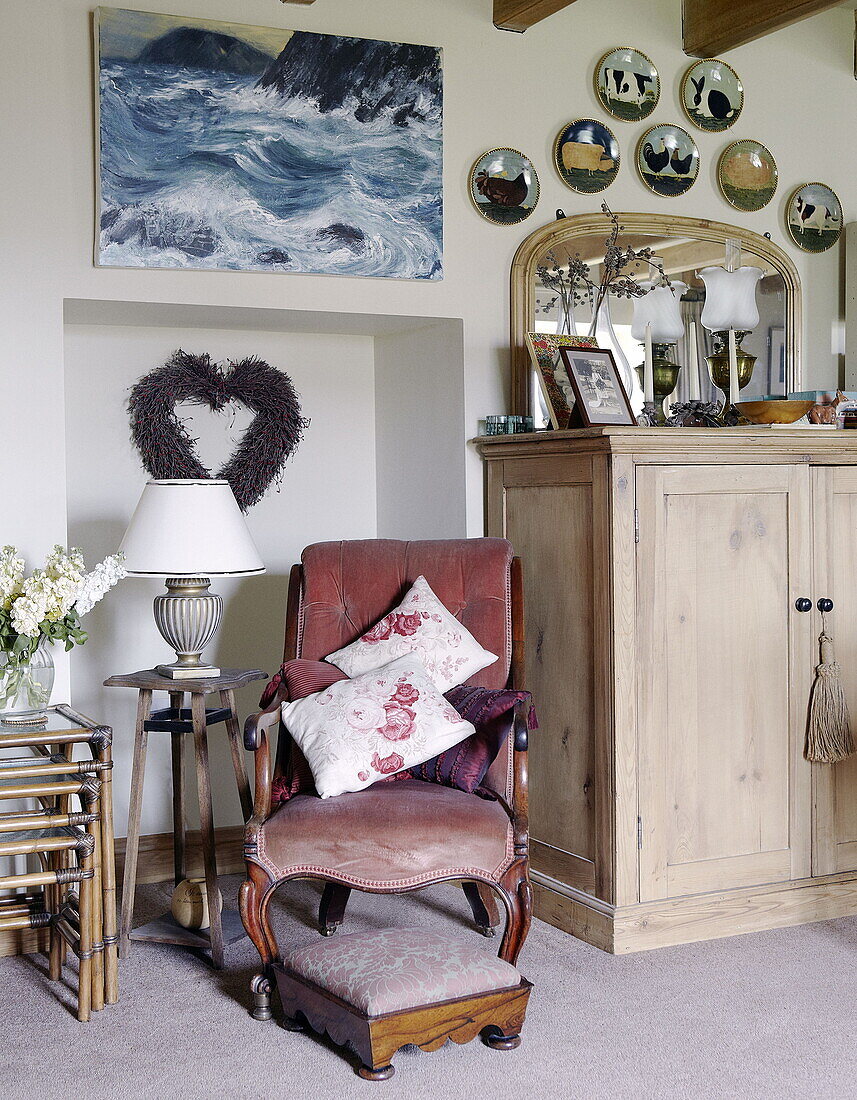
x: 188, y: 531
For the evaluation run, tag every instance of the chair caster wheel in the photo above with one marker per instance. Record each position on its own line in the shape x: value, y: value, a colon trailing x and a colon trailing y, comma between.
x: 260, y: 987
x: 486, y: 930
x: 329, y: 929
x: 291, y: 1024
x: 382, y: 1074
x: 502, y: 1042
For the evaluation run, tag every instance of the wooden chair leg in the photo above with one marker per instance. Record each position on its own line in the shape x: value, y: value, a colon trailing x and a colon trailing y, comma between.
x: 483, y: 904
x: 331, y: 910
x: 516, y: 883
x: 254, y: 915
x: 132, y: 843
x: 206, y: 824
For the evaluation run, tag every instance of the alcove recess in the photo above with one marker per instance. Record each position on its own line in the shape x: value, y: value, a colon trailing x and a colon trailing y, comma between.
x: 384, y: 456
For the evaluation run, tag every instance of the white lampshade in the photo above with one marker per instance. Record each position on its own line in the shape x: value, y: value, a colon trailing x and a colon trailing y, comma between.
x: 659, y: 307
x: 730, y: 298
x: 189, y: 529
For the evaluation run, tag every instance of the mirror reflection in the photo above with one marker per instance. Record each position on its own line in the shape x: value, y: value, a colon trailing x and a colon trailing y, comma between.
x: 695, y: 268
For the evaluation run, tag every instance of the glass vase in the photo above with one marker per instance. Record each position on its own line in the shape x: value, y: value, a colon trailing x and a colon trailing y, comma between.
x: 25, y: 686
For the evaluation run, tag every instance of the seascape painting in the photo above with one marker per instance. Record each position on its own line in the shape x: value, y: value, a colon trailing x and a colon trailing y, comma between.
x: 226, y: 146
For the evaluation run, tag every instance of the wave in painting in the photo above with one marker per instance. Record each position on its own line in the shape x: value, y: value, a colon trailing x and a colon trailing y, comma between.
x: 325, y: 159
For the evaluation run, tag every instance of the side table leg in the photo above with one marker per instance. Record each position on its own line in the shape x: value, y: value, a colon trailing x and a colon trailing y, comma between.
x: 206, y: 822
x: 129, y: 880
x: 179, y: 817
x: 233, y: 728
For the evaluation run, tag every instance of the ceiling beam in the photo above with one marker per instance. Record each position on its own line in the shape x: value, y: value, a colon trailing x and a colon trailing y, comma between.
x: 710, y: 27
x: 518, y: 15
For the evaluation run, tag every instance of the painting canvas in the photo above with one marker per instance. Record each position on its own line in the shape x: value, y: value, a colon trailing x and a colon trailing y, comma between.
x: 259, y: 149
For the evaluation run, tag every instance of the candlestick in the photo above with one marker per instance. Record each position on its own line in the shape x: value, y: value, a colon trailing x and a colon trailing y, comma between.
x: 733, y: 368
x: 692, y: 363
x: 648, y: 369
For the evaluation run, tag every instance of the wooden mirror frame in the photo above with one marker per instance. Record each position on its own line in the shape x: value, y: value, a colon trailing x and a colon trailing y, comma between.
x: 549, y: 236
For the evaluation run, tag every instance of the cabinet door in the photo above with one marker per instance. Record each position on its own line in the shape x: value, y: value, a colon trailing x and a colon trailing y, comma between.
x: 834, y: 506
x: 725, y: 665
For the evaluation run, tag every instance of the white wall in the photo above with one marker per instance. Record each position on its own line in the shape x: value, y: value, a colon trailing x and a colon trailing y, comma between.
x: 419, y: 403
x: 500, y: 89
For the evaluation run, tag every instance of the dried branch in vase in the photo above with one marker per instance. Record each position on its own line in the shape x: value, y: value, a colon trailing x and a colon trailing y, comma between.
x: 575, y: 286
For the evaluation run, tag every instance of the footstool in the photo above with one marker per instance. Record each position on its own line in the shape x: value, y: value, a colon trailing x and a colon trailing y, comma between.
x: 379, y: 991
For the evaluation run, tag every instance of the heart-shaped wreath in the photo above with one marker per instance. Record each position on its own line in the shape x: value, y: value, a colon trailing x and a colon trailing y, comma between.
x: 166, y: 446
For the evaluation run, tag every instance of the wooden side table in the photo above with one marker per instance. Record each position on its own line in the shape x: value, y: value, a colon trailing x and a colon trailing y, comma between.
x: 177, y: 720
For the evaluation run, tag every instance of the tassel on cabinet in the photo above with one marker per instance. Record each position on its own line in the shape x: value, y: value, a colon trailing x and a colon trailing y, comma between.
x: 828, y: 733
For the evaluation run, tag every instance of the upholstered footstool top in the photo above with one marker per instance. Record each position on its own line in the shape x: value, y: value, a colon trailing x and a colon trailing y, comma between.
x: 378, y: 991
x: 380, y: 972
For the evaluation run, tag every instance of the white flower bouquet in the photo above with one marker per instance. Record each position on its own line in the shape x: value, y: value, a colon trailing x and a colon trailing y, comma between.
x: 43, y: 608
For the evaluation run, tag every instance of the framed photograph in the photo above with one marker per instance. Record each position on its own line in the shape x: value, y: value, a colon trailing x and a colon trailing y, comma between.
x: 600, y: 397
x: 586, y: 155
x: 667, y: 160
x: 814, y: 217
x: 559, y: 397
x: 627, y: 84
x: 712, y: 95
x: 747, y: 174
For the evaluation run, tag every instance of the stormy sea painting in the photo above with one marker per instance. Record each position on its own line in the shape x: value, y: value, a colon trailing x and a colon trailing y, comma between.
x: 226, y: 146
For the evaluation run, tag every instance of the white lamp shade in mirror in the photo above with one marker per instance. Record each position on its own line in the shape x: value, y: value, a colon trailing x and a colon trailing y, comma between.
x: 730, y: 298
x: 659, y: 307
x: 184, y: 528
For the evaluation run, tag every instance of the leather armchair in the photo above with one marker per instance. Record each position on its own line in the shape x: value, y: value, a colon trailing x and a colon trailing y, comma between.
x: 394, y: 837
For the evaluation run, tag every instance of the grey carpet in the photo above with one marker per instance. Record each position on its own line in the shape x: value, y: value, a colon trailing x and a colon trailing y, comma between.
x: 765, y: 1015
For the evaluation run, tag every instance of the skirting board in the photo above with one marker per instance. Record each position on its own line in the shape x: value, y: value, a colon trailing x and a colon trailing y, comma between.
x: 690, y: 919
x: 154, y: 864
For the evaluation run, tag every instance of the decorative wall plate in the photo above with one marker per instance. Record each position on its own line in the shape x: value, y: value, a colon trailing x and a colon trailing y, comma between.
x: 747, y: 174
x: 814, y: 217
x: 667, y: 160
x: 712, y: 95
x: 586, y: 155
x: 504, y: 186
x: 627, y: 84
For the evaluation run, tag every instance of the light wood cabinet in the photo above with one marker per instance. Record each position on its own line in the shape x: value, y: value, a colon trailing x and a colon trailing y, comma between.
x: 669, y: 797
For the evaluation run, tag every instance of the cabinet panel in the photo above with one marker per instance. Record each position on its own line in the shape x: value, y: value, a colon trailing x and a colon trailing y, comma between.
x: 551, y: 527
x: 835, y: 526
x: 724, y: 681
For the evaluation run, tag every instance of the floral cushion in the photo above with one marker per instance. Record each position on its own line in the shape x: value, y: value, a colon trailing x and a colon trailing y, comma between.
x: 376, y: 724
x: 421, y: 625
x: 399, y: 968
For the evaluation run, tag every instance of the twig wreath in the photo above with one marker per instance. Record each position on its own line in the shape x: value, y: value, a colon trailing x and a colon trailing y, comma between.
x: 166, y: 447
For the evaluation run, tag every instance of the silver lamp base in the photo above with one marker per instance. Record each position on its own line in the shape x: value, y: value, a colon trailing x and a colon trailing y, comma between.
x: 188, y: 616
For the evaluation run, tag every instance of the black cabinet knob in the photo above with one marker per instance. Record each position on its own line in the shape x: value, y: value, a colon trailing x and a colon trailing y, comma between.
x: 803, y: 604
x: 825, y: 605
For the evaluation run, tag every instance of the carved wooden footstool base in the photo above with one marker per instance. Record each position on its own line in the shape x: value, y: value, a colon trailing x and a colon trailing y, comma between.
x: 378, y: 991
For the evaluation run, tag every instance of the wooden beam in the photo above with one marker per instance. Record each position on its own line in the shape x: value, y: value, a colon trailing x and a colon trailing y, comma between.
x: 518, y: 15
x: 710, y: 27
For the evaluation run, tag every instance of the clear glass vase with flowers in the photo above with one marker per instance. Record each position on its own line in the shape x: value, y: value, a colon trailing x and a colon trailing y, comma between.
x: 38, y: 610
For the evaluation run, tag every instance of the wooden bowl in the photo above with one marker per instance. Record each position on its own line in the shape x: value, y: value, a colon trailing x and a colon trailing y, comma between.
x: 774, y: 412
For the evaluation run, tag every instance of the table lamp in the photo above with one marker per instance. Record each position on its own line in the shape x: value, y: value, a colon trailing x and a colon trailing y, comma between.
x: 730, y: 304
x: 660, y: 308
x: 188, y: 531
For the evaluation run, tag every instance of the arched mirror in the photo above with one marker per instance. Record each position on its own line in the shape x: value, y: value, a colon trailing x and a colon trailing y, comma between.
x: 684, y: 246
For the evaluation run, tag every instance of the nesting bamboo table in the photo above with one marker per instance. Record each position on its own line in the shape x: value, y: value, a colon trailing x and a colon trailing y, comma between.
x: 73, y: 891
x: 178, y: 721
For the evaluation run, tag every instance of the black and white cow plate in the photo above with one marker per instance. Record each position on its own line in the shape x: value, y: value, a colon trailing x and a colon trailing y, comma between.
x: 814, y: 217
x: 627, y: 84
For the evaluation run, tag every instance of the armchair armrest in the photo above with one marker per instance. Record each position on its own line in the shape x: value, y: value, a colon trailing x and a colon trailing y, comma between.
x: 520, y: 802
x: 261, y: 722
x: 256, y: 740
